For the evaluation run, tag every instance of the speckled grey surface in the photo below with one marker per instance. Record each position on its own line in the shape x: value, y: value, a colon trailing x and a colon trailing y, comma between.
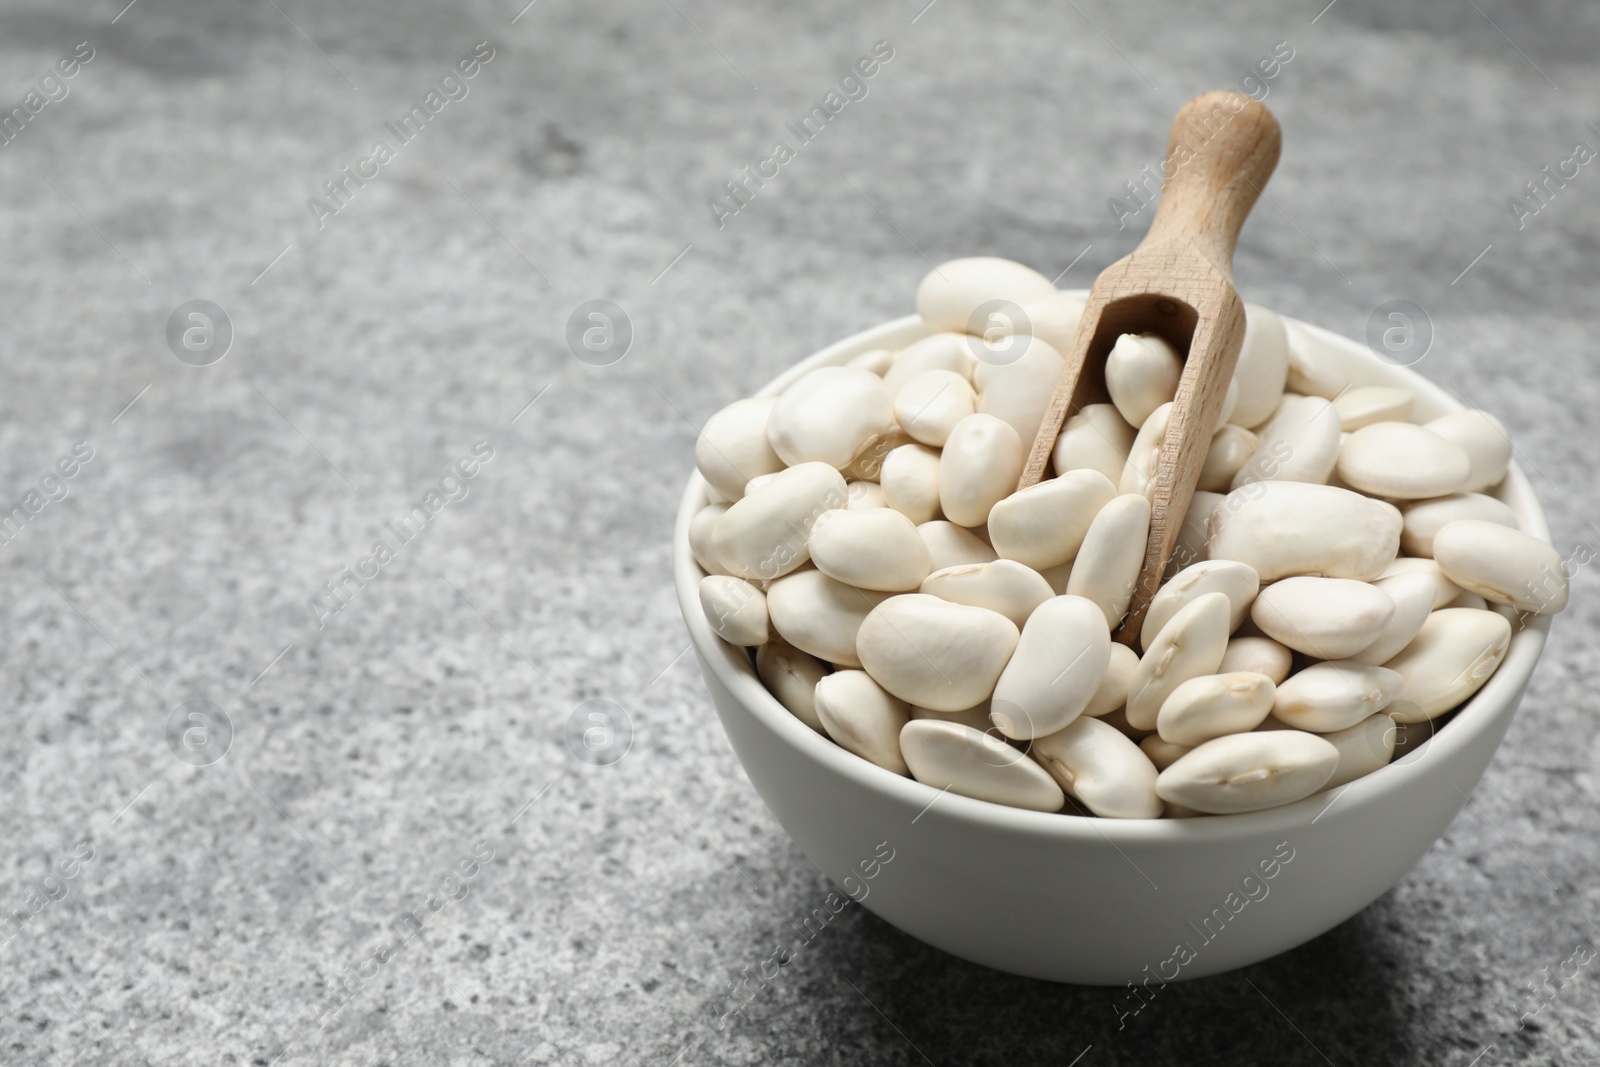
x: 248, y: 911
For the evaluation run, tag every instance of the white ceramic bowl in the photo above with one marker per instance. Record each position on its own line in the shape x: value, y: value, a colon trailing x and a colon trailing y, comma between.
x: 1104, y: 901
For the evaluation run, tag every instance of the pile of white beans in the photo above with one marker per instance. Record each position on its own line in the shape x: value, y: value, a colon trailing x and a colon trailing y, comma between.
x: 1344, y: 578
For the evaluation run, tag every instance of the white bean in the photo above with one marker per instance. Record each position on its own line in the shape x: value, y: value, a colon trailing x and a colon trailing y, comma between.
x: 1363, y: 748
x: 873, y: 548
x: 910, y: 482
x: 1486, y: 442
x: 979, y: 467
x: 1403, y: 461
x: 862, y: 718
x: 933, y: 653
x: 1373, y: 403
x: 1142, y: 372
x: 1237, y: 581
x: 1316, y: 368
x: 947, y: 755
x: 1451, y: 657
x: 819, y: 615
x: 1043, y: 525
x: 736, y: 609
x: 1017, y: 386
x: 950, y: 545
x: 1231, y: 448
x: 791, y: 676
x: 977, y: 718
x: 828, y: 416
x: 1300, y: 443
x: 1329, y: 618
x: 733, y: 447
x: 1503, y: 565
x: 1413, y: 595
x: 1107, y: 566
x: 1002, y: 585
x: 763, y: 535
x: 1214, y: 705
x: 940, y: 351
x: 1103, y: 769
x: 700, y: 527
x: 1261, y: 655
x: 876, y: 360
x: 1096, y: 438
x: 1444, y: 589
x: 867, y: 465
x: 1422, y: 519
x: 1191, y: 644
x: 1249, y: 772
x: 1190, y: 547
x: 929, y: 405
x: 1058, y: 664
x: 951, y: 295
x: 1058, y: 577
x: 1263, y: 366
x: 1289, y: 528
x: 1053, y: 318
x: 1162, y: 753
x: 1145, y: 454
x: 1465, y: 599
x: 1333, y: 696
x: 864, y: 496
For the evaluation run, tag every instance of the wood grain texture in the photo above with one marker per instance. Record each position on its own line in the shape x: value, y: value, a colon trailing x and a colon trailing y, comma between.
x: 1178, y: 284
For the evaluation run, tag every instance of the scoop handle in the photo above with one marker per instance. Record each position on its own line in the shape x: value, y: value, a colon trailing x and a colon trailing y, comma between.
x: 1222, y: 149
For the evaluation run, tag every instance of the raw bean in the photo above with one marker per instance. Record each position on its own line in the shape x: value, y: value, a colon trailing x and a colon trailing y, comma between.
x: 1423, y: 519
x: 791, y: 677
x: 1214, y: 705
x: 868, y: 463
x: 736, y: 609
x: 1190, y: 547
x: 1106, y: 772
x: 865, y: 496
x: 828, y: 416
x: 1058, y: 577
x: 1465, y: 599
x: 1261, y: 655
x: 1145, y: 454
x: 1329, y: 618
x: 941, y: 351
x: 1162, y: 754
x: 1316, y: 367
x: 1016, y: 386
x: 1058, y: 665
x: 1333, y: 696
x: 951, y: 295
x: 1231, y: 448
x: 733, y: 447
x: 1249, y: 772
x: 1363, y: 748
x: 979, y: 466
x: 1300, y: 443
x: 1052, y: 318
x: 1237, y: 581
x: 1044, y: 525
x: 1119, y: 720
x: 763, y: 535
x: 700, y: 527
x: 1230, y: 400
x: 929, y: 405
x: 1096, y: 438
x: 1142, y: 373
x: 946, y: 755
x: 1444, y: 589
x: 1487, y: 444
x: 1373, y: 403
x: 1403, y: 461
x: 910, y: 481
x: 1112, y: 694
x: 950, y: 545
x: 876, y: 360
x: 758, y: 481
x: 1191, y: 644
x: 1503, y: 565
x: 862, y: 718
x: 1108, y: 564
x: 1413, y: 593
x: 1288, y: 528
x: 977, y: 718
x: 933, y: 653
x: 1003, y: 585
x: 819, y: 615
x: 1263, y: 366
x: 874, y: 548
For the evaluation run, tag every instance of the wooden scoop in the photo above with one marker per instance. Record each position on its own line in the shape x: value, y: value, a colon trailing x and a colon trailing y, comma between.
x: 1178, y: 284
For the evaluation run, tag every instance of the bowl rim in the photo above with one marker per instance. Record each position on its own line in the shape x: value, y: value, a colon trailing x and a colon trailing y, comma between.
x: 734, y: 669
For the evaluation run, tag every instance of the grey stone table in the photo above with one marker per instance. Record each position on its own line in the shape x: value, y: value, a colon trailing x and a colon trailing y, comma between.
x: 398, y: 860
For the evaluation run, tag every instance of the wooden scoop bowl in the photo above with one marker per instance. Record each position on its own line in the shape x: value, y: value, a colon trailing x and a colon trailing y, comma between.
x: 1178, y: 284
